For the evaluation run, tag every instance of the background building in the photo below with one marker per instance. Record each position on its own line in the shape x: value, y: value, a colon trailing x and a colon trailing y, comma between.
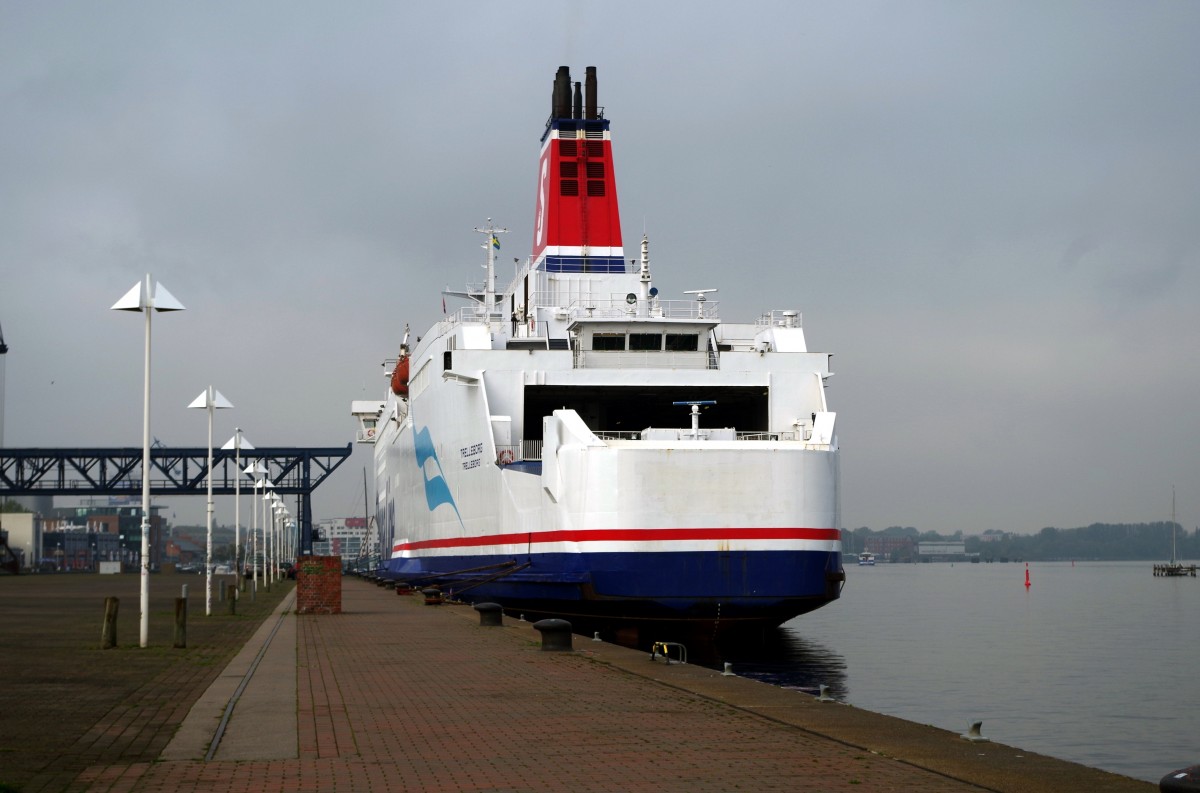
x: 23, y: 533
x: 348, y: 538
x: 941, y: 551
x: 75, y: 538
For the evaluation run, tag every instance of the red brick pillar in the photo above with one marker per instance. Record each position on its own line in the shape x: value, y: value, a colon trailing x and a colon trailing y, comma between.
x: 319, y: 585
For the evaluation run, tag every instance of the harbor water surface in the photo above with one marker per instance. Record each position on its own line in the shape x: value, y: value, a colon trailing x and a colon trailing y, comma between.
x: 1094, y: 662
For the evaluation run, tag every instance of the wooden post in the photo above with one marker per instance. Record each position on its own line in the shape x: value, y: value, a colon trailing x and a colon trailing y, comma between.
x: 108, y: 632
x: 232, y: 597
x: 180, y: 623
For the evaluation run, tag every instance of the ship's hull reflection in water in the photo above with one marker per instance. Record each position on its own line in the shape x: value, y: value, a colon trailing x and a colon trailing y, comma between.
x: 781, y: 657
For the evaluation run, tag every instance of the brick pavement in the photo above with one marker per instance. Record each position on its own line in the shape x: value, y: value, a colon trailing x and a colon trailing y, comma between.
x: 393, y: 696
x: 66, y: 705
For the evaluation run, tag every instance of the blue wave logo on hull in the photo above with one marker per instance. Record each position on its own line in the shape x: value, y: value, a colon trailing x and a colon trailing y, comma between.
x: 437, y: 492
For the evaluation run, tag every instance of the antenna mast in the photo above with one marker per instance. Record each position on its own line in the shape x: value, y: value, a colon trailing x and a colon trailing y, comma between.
x: 489, y: 287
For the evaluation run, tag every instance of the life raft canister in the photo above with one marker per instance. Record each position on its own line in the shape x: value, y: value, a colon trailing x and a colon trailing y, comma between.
x: 400, y: 377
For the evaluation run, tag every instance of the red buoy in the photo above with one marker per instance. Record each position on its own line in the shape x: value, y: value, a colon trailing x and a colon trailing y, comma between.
x: 1027, y: 575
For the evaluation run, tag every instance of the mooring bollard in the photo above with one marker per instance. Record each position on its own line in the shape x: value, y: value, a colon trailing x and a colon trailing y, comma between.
x: 180, y: 623
x: 232, y: 597
x: 433, y: 596
x: 556, y: 634
x: 490, y: 614
x: 108, y: 631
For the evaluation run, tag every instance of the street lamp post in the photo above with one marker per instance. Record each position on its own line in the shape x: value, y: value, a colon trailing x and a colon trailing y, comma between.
x: 143, y: 297
x: 237, y: 443
x: 210, y: 400
x: 252, y: 470
x: 274, y: 537
x: 267, y: 485
x: 285, y: 543
x: 277, y: 509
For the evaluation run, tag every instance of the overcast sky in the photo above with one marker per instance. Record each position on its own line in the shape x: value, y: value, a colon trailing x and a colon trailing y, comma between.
x: 989, y: 212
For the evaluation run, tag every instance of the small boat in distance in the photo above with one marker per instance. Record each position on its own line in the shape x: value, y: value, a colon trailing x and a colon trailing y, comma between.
x: 1175, y: 567
x: 866, y: 559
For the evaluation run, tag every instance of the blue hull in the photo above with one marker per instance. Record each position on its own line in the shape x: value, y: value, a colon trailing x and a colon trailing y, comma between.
x: 747, y: 588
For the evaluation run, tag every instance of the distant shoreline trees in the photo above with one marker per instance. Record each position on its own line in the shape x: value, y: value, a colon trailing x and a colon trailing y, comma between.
x: 1099, y: 541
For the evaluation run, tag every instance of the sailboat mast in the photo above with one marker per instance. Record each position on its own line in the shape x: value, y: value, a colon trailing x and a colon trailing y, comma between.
x: 1172, y: 524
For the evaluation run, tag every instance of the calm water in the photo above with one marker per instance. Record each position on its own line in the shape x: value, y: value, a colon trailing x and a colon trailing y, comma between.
x: 1094, y: 663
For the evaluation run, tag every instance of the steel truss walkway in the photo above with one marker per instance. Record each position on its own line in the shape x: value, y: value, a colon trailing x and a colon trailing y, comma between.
x: 92, y: 472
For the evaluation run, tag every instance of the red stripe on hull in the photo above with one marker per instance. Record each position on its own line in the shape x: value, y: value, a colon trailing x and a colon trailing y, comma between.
x: 623, y: 535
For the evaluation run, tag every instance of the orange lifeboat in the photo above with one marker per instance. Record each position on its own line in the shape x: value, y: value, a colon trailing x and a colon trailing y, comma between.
x: 400, y: 373
x: 400, y: 377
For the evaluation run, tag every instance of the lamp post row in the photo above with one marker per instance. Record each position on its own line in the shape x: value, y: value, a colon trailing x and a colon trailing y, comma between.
x: 148, y: 296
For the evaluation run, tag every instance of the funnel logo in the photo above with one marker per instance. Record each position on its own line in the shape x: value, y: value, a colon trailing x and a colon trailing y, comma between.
x: 543, y: 197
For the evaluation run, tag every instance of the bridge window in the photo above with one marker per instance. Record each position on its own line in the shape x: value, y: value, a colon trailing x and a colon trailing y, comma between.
x: 682, y: 342
x: 645, y: 341
x: 608, y: 341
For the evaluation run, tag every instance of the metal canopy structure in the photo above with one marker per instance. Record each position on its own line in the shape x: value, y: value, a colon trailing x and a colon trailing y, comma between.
x: 91, y: 472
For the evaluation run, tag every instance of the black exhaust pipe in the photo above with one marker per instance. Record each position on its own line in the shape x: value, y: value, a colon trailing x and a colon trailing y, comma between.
x: 560, y: 104
x: 590, y: 92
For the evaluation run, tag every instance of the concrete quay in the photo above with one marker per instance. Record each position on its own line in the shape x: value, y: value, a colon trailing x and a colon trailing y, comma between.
x: 393, y: 695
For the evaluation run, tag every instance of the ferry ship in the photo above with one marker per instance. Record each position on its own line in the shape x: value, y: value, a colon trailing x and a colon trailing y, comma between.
x: 582, y: 444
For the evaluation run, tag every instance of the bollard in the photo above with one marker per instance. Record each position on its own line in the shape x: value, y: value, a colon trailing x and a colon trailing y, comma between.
x: 108, y: 631
x: 556, y: 634
x: 490, y: 614
x: 183, y: 591
x: 823, y: 695
x: 180, y: 623
x: 433, y: 596
x: 728, y: 670
x: 231, y: 596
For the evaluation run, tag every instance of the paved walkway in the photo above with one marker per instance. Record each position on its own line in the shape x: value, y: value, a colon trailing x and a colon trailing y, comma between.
x: 392, y: 695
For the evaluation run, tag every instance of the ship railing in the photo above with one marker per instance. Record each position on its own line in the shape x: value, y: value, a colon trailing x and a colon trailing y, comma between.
x: 523, y: 451
x: 684, y: 433
x: 780, y: 318
x: 619, y: 307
